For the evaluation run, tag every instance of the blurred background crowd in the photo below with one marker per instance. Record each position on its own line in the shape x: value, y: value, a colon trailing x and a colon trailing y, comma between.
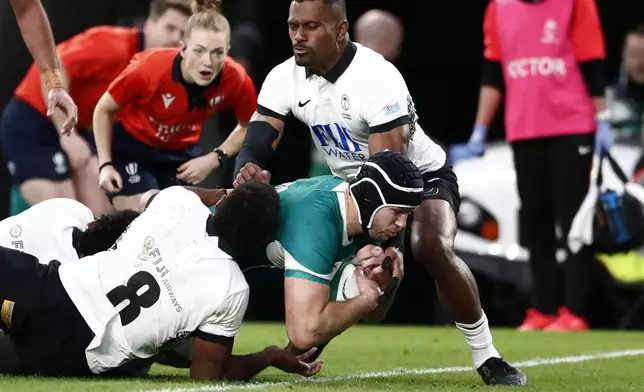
x: 438, y: 47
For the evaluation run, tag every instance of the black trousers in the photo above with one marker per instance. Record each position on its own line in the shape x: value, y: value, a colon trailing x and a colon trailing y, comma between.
x: 552, y: 181
x: 45, y: 333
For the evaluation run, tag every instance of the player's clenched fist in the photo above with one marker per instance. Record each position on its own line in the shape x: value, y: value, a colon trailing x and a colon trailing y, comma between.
x: 252, y: 172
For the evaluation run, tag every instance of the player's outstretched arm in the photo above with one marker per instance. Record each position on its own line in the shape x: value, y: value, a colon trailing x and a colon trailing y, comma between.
x: 214, y: 361
x: 262, y: 136
x: 312, y: 320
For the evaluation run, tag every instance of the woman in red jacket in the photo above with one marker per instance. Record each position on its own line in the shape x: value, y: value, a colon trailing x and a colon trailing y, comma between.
x: 160, y: 101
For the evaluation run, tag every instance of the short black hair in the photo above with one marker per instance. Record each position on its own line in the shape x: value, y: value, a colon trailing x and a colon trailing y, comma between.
x: 637, y: 30
x: 102, y: 233
x: 246, y: 219
x: 341, y: 4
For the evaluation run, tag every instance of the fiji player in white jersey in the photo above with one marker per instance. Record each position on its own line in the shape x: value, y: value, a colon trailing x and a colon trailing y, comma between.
x: 62, y: 229
x: 171, y: 275
x: 356, y: 103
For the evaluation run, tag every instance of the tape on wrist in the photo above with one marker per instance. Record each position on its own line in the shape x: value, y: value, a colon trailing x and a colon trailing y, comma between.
x: 52, y: 79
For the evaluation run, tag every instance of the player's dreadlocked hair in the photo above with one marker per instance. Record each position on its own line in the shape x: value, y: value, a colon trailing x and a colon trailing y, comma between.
x: 246, y: 220
x: 207, y: 15
x: 102, y: 233
x: 340, y: 4
x: 159, y: 7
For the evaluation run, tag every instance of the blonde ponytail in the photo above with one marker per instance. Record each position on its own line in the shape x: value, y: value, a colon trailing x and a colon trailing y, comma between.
x: 206, y: 6
x: 207, y: 15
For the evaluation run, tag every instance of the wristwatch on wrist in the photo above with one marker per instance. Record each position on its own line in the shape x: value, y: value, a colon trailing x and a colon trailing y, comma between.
x: 222, y: 156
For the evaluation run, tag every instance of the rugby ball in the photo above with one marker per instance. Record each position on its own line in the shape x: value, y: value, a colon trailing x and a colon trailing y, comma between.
x: 343, y: 284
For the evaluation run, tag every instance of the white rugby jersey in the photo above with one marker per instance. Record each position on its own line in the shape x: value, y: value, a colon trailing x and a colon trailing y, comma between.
x: 45, y: 229
x: 162, y: 281
x: 363, y: 93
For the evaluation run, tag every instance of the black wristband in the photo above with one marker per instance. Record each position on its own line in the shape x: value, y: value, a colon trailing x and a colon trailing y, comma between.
x: 222, y: 156
x: 108, y: 163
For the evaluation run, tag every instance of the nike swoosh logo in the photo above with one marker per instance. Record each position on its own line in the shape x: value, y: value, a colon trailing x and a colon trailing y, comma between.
x: 300, y: 104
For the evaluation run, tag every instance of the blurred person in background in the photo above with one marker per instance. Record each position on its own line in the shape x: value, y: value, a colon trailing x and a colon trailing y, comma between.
x: 547, y: 58
x: 44, y: 159
x: 160, y: 101
x: 36, y: 32
x: 626, y: 101
x: 382, y: 32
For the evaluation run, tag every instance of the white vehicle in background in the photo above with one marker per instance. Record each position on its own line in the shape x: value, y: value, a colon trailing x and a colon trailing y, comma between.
x: 488, y: 236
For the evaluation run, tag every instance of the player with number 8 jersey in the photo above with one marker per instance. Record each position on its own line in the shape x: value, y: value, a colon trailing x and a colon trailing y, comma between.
x: 171, y: 275
x: 163, y: 279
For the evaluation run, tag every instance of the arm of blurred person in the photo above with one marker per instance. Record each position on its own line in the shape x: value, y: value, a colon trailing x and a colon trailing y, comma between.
x: 590, y: 49
x: 492, y: 83
x: 36, y: 32
x: 266, y: 126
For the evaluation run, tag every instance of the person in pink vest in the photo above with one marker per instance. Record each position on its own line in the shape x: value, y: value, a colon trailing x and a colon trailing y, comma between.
x: 547, y: 58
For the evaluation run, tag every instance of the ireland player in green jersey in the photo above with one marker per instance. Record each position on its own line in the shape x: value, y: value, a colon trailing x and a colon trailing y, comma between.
x: 326, y: 220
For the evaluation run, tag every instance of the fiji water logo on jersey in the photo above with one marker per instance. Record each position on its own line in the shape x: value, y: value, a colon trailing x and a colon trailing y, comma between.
x: 537, y: 66
x: 166, y: 132
x: 336, y: 141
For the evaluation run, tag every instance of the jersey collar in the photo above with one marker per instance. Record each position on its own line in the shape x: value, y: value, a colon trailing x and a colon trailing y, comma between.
x: 196, y: 93
x: 343, y: 63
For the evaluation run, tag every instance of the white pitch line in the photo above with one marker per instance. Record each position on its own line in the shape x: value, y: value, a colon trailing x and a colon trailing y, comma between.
x: 399, y: 372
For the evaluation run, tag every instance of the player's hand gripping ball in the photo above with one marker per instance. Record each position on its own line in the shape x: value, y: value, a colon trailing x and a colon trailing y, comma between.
x: 382, y: 266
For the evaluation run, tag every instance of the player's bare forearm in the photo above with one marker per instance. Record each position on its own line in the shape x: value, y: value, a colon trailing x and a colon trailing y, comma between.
x: 36, y: 32
x: 245, y: 367
x: 102, y: 127
x: 335, y: 318
x: 489, y: 101
x: 312, y: 320
x: 234, y: 141
x: 380, y: 312
x: 396, y: 139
